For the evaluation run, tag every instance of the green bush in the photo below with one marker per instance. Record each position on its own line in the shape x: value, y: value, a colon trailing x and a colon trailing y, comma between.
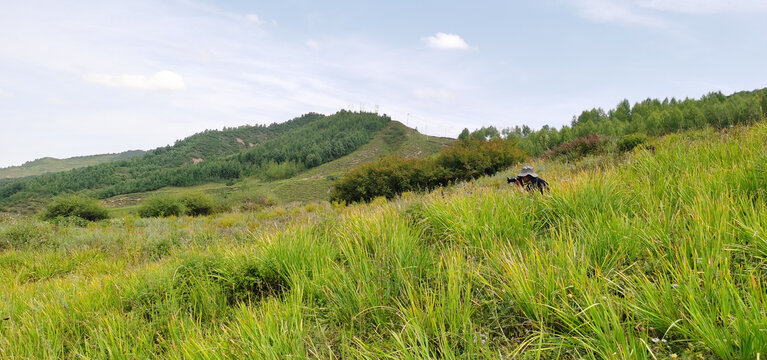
x: 284, y: 170
x: 161, y: 206
x: 580, y: 147
x: 394, y: 175
x: 629, y: 142
x: 75, y: 206
x: 197, y: 203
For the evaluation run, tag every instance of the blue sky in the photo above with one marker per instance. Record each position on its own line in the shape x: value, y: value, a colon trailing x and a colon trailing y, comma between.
x: 89, y: 77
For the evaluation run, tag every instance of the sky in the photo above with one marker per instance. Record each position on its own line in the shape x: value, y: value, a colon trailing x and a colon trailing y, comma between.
x: 86, y: 77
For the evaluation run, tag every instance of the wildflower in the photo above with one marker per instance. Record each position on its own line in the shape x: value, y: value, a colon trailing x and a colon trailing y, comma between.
x: 674, y: 286
x: 482, y: 339
x: 655, y: 340
x: 673, y: 356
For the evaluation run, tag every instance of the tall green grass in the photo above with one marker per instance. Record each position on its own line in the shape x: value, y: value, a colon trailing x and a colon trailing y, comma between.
x: 631, y: 256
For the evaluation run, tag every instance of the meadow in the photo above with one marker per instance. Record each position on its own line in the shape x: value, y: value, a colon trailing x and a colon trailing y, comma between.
x: 646, y: 255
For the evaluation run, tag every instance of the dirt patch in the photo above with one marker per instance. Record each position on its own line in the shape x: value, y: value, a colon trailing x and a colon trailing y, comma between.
x: 197, y: 160
x: 240, y: 141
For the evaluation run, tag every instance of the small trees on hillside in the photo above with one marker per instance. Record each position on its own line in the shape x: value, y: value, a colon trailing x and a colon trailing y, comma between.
x: 74, y: 206
x: 393, y: 175
x: 191, y: 203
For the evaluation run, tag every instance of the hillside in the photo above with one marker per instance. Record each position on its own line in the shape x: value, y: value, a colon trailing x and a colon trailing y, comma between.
x: 647, y: 255
x: 51, y: 165
x: 309, y: 185
x: 267, y: 152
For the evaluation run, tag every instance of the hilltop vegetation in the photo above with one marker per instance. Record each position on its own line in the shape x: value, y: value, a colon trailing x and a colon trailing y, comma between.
x: 635, y: 256
x: 278, y: 151
x: 651, y: 117
x: 50, y: 165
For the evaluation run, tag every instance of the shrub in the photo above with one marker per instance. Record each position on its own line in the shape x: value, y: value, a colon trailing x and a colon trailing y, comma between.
x: 278, y: 171
x: 629, y: 142
x: 75, y: 206
x: 197, y: 203
x: 160, y: 206
x: 394, y: 175
x: 580, y: 147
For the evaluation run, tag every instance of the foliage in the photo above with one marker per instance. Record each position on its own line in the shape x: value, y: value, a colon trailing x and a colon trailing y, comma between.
x: 651, y: 117
x: 161, y: 206
x: 630, y: 141
x: 276, y: 171
x: 394, y: 175
x: 580, y: 147
x: 198, y: 203
x: 75, y: 206
x: 465, y: 135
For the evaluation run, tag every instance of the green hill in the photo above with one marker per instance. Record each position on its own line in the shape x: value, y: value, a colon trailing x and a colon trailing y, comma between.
x: 308, y: 185
x: 641, y: 255
x: 265, y: 157
x: 51, y: 165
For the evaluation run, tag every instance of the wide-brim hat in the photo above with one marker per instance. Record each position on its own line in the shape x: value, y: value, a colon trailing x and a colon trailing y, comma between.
x: 527, y: 170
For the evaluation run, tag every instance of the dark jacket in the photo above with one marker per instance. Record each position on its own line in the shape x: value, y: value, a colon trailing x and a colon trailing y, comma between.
x: 534, y: 184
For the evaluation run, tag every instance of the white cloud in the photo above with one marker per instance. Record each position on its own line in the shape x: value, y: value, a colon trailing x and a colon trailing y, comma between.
x: 650, y: 13
x: 704, y: 6
x: 162, y: 80
x: 617, y: 11
x: 254, y: 18
x: 434, y: 94
x: 314, y: 44
x: 442, y: 41
x: 4, y: 93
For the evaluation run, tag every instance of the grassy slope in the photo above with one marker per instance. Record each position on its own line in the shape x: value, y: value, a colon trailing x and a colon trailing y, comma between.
x: 50, y: 165
x: 310, y: 185
x: 648, y: 256
x: 395, y: 139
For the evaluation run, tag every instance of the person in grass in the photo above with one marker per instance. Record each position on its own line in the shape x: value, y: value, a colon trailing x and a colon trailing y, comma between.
x: 529, y: 180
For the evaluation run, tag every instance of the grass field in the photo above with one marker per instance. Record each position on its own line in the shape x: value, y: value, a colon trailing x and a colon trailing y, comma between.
x: 639, y: 256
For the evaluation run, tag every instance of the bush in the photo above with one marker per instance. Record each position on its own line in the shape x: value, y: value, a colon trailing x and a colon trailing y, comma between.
x: 161, y: 206
x: 75, y: 206
x: 394, y: 175
x: 197, y: 203
x: 580, y: 147
x: 284, y: 170
x: 629, y: 142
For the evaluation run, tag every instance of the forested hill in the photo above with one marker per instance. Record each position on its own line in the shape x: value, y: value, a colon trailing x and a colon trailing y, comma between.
x: 211, y: 144
x: 278, y: 150
x: 651, y: 117
x: 50, y: 165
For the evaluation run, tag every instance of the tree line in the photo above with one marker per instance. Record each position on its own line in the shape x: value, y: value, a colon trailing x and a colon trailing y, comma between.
x: 651, y: 117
